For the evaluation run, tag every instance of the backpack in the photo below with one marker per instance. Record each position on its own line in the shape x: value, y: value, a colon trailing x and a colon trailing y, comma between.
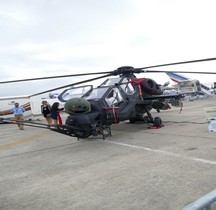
x: 45, y: 110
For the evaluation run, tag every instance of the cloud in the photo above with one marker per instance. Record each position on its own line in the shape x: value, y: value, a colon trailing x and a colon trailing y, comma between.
x: 46, y: 38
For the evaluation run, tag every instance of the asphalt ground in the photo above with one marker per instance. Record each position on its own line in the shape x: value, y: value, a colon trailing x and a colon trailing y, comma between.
x: 136, y: 168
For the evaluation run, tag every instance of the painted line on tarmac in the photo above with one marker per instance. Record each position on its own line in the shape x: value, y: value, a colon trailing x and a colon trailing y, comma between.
x: 163, y: 152
x: 23, y: 140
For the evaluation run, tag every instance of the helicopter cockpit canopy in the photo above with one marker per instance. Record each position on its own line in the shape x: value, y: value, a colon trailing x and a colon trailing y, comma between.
x: 124, y: 83
x: 114, y: 97
x: 75, y: 92
x: 110, y: 91
x: 96, y: 93
x: 110, y: 81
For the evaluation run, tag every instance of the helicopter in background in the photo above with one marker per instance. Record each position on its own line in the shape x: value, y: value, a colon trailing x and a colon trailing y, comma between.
x: 92, y: 111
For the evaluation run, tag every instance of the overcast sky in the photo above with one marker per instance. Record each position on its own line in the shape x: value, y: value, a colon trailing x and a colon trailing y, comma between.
x: 56, y: 37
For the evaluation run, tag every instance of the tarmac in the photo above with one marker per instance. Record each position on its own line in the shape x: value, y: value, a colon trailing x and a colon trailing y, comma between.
x: 136, y: 168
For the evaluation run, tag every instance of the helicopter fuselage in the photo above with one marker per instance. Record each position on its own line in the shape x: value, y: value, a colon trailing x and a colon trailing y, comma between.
x: 115, y: 100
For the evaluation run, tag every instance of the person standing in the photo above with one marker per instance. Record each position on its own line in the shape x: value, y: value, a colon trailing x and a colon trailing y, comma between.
x: 18, y: 114
x: 46, y: 111
x: 55, y: 113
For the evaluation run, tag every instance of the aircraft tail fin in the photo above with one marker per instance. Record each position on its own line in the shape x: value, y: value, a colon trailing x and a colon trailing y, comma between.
x: 176, y: 77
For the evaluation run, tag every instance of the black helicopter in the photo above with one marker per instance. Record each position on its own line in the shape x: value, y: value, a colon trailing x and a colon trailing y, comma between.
x: 116, y: 99
x: 93, y: 110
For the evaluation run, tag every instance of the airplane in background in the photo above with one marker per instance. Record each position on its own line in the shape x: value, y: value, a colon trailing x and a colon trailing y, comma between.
x: 187, y: 85
x: 32, y: 106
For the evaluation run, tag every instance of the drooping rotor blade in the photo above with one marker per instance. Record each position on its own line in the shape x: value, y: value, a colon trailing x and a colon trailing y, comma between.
x: 176, y: 63
x: 65, y: 86
x: 53, y: 77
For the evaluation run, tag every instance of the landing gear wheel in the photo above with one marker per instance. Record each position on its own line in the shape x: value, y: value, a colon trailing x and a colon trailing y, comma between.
x: 157, y: 122
x: 132, y: 121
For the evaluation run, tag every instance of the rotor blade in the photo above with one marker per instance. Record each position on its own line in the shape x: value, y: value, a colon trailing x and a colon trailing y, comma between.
x: 65, y: 86
x: 138, y: 70
x: 177, y: 63
x: 53, y: 77
x: 187, y: 72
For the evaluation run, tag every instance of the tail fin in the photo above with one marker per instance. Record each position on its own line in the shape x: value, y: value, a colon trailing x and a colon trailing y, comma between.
x: 176, y: 77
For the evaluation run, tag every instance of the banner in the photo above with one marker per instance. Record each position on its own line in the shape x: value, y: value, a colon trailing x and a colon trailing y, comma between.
x: 210, y: 113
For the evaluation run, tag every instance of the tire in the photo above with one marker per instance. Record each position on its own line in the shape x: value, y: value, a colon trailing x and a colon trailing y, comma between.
x: 157, y: 122
x: 132, y: 121
x: 149, y: 86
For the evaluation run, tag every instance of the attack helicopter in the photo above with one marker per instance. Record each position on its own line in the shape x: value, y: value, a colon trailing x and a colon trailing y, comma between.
x: 115, y: 100
x: 122, y: 97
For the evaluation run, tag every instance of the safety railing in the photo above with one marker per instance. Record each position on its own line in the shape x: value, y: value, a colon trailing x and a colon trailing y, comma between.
x: 202, y: 203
